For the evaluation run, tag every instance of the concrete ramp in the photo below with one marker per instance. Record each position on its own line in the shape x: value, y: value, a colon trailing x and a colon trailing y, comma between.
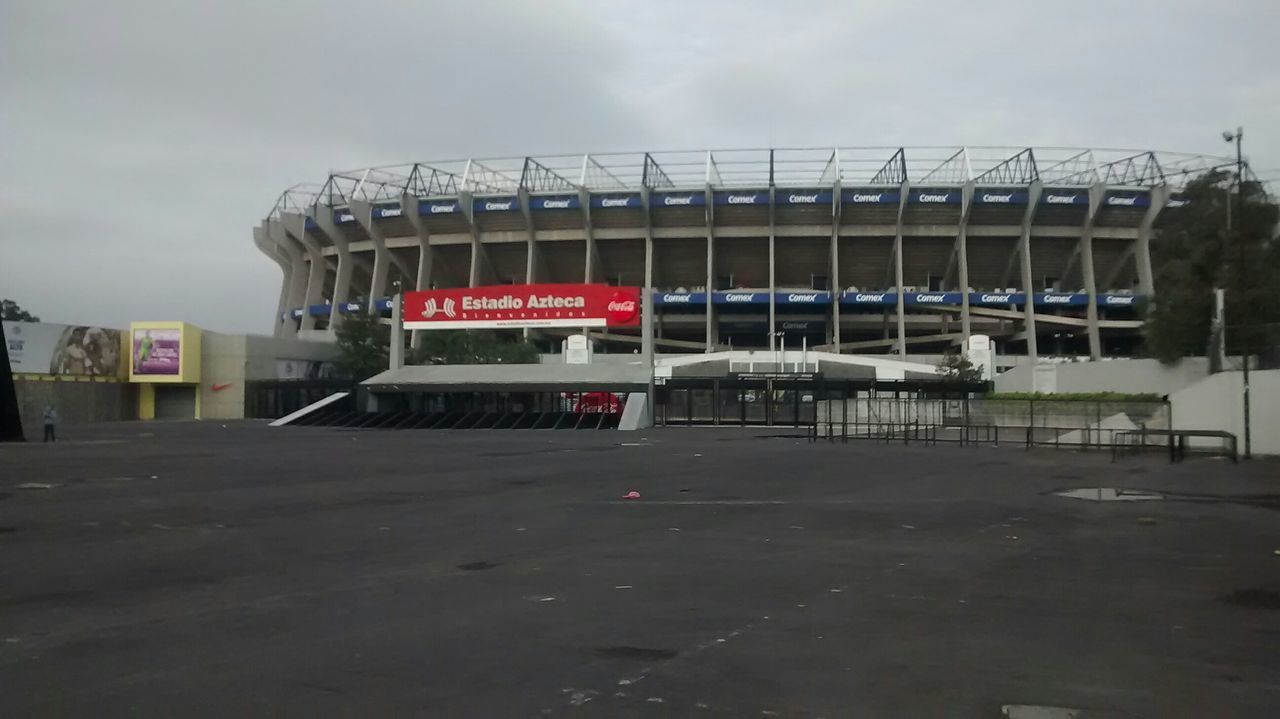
x: 313, y: 407
x: 1109, y: 426
x: 635, y: 415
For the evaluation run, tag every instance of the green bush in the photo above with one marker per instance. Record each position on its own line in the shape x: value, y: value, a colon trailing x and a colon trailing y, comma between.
x: 1077, y: 396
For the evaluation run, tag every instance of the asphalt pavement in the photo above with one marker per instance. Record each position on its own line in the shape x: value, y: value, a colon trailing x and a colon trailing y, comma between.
x: 203, y: 569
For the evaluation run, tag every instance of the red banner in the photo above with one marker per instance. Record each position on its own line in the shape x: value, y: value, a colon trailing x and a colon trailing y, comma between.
x: 512, y: 306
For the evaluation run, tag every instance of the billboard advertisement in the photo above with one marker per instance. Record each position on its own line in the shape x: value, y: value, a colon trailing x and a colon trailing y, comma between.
x: 71, y: 350
x: 157, y: 351
x: 515, y: 306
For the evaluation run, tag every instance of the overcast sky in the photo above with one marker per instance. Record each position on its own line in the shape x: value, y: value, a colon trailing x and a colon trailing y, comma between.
x: 140, y: 142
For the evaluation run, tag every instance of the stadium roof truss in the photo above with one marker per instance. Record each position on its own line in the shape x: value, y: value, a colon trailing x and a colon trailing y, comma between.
x: 754, y: 168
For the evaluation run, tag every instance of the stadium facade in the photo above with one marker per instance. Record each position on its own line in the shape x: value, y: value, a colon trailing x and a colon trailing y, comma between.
x: 854, y: 250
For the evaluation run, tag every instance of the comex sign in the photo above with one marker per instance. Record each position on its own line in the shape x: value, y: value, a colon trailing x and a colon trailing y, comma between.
x: 1058, y: 198
x: 553, y: 203
x: 868, y: 197
x: 1003, y: 197
x: 933, y: 198
x: 503, y: 205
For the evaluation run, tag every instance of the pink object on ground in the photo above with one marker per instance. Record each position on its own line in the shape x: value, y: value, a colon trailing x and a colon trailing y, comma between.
x: 631, y: 495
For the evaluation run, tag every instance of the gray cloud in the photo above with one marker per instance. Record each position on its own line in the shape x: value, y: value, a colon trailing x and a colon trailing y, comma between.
x: 143, y: 140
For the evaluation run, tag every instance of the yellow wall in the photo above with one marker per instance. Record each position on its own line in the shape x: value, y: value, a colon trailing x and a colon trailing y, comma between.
x: 188, y: 365
x: 146, y: 401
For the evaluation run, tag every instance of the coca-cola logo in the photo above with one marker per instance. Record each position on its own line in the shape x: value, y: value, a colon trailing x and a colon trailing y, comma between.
x: 622, y: 308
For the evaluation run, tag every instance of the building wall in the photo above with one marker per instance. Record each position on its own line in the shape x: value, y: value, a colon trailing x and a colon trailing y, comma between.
x: 223, y: 377
x: 230, y: 361
x: 264, y: 354
x: 1217, y: 403
x: 76, y: 401
x: 1119, y: 375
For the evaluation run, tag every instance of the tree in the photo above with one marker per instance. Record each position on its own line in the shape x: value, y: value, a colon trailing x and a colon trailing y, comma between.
x: 473, y: 347
x: 1193, y: 254
x: 956, y: 366
x: 364, y: 344
x: 9, y: 310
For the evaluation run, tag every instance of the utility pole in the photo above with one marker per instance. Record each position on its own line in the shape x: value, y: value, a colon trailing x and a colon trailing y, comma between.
x: 1237, y: 137
x: 396, y: 353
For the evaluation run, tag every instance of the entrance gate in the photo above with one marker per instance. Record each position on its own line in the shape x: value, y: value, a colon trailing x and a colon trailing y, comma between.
x: 792, y: 401
x: 765, y: 402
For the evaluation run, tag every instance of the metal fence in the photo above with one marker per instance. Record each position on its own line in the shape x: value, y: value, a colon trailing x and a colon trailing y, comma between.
x: 1081, y: 424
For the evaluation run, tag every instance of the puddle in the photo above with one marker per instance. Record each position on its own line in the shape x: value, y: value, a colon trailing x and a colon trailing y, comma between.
x: 1119, y: 494
x: 1254, y: 598
x: 626, y: 652
x: 1109, y: 494
x: 1036, y: 711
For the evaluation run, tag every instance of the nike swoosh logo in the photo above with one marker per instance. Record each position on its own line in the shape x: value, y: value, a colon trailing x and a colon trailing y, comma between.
x: 220, y: 387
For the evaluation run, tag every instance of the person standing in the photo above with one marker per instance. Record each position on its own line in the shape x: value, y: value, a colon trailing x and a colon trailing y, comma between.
x: 50, y: 421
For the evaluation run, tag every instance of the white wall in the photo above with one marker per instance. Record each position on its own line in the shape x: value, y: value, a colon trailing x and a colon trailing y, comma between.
x: 1217, y: 403
x: 262, y: 354
x: 221, y: 367
x: 227, y: 362
x: 1118, y: 375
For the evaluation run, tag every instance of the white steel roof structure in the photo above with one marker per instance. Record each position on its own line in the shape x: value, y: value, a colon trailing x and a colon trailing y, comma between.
x: 744, y: 168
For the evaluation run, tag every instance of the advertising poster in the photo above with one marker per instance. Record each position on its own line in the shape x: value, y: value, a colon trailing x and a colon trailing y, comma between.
x: 157, y: 351
x: 509, y: 306
x: 73, y: 350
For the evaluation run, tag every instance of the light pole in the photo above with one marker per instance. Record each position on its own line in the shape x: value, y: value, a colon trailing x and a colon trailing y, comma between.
x: 395, y: 354
x: 782, y: 340
x: 1237, y: 138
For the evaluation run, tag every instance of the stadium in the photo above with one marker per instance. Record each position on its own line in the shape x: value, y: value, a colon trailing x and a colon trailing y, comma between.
x: 848, y: 250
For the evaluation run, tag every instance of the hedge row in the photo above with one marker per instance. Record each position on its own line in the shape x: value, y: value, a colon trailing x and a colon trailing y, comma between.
x: 1077, y: 396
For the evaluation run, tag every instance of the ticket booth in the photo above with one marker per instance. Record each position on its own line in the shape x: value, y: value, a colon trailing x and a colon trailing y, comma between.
x: 164, y: 364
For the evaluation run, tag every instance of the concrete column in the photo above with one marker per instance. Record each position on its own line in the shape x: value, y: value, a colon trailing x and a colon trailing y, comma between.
x: 1097, y: 194
x: 531, y: 248
x: 901, y: 343
x: 837, y: 209
x: 323, y: 217
x: 773, y: 319
x: 426, y: 253
x: 1142, y: 253
x: 477, y: 251
x: 296, y: 225
x: 962, y: 258
x: 363, y: 212
x: 1028, y: 284
x: 268, y: 248
x: 646, y: 297
x: 590, y: 273
x: 712, y: 335
x: 298, y: 273
x: 531, y: 241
